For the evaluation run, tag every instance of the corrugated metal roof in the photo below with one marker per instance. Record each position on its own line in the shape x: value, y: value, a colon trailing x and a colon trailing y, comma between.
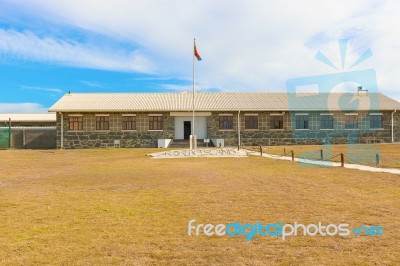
x: 222, y: 101
x: 42, y: 117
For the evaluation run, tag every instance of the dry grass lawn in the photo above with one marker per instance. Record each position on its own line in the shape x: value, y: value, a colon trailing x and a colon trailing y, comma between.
x: 101, y: 207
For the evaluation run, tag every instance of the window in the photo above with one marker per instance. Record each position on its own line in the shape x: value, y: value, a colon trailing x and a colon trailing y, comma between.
x: 375, y: 121
x: 128, y: 122
x: 276, y: 121
x: 251, y: 122
x: 351, y: 122
x: 75, y: 123
x: 226, y: 122
x: 102, y: 123
x: 326, y: 121
x: 302, y: 121
x: 155, y: 122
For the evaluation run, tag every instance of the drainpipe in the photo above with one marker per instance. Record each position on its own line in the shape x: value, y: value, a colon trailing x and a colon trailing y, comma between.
x: 395, y: 110
x: 62, y: 130
x: 239, y: 128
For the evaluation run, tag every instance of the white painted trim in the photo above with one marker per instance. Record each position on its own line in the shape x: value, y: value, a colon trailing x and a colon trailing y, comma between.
x: 255, y: 114
x: 301, y: 114
x: 225, y: 114
x: 75, y: 115
x: 155, y: 115
x: 128, y: 115
x: 101, y: 115
x: 351, y: 114
x: 375, y: 114
x: 275, y: 114
x: 190, y: 114
x: 327, y: 114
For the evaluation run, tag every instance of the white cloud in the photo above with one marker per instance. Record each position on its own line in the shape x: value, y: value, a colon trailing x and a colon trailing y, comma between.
x: 28, y: 46
x: 93, y: 84
x: 22, y: 108
x: 245, y: 45
x: 41, y: 89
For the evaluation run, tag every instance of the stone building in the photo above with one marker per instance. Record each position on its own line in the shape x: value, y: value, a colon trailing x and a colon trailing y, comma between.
x: 87, y: 120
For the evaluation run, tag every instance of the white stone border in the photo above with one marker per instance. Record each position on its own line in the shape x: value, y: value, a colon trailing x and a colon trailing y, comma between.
x: 200, y: 153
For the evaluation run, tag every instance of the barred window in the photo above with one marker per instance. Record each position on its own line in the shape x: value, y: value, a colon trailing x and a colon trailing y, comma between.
x: 276, y: 121
x: 225, y: 122
x: 301, y: 121
x: 155, y: 122
x: 128, y: 122
x: 351, y: 122
x: 375, y: 121
x: 251, y: 122
x: 326, y: 122
x: 102, y: 122
x: 75, y: 123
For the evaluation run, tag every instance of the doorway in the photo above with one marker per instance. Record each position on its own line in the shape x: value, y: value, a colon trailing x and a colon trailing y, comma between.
x: 187, y: 129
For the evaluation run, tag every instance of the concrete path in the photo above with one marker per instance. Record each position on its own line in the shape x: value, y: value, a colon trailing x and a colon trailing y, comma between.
x: 329, y: 164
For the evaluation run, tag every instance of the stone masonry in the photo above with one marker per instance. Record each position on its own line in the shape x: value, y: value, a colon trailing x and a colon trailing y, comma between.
x: 264, y: 135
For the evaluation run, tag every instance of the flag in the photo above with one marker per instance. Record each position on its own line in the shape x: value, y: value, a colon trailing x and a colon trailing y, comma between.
x: 196, y: 54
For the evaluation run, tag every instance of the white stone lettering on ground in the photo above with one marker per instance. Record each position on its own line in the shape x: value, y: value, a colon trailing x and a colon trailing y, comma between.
x: 199, y: 153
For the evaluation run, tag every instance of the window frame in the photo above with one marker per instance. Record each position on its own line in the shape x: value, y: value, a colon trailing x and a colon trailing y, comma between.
x: 132, y: 123
x: 348, y: 122
x: 156, y: 125
x: 280, y: 122
x: 102, y: 122
x: 249, y: 124
x: 80, y: 123
x: 371, y: 121
x: 329, y: 120
x: 305, y: 123
x: 225, y: 119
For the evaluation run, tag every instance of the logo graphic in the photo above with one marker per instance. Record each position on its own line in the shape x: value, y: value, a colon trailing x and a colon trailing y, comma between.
x: 334, y: 116
x: 249, y: 231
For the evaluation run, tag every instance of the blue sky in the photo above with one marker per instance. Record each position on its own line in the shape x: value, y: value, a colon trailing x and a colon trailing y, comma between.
x: 48, y: 48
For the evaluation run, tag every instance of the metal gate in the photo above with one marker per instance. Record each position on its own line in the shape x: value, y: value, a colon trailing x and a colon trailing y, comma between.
x: 4, y: 138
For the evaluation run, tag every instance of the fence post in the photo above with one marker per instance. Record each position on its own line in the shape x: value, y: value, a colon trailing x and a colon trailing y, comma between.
x: 322, y: 154
x: 377, y: 160
x: 9, y: 133
x: 341, y: 160
x: 261, y: 150
x: 284, y: 151
x: 292, y: 156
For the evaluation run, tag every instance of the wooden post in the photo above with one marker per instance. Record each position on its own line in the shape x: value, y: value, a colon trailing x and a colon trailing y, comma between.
x: 341, y: 160
x: 292, y: 156
x: 9, y: 133
x: 322, y: 154
x: 284, y: 151
x: 261, y: 150
x: 377, y: 160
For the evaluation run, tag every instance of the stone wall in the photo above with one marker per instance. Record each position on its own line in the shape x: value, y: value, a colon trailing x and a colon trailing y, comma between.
x: 264, y: 135
x: 142, y: 137
x: 314, y: 135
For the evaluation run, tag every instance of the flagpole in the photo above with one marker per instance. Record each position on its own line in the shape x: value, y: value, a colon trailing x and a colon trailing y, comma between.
x: 193, y: 135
